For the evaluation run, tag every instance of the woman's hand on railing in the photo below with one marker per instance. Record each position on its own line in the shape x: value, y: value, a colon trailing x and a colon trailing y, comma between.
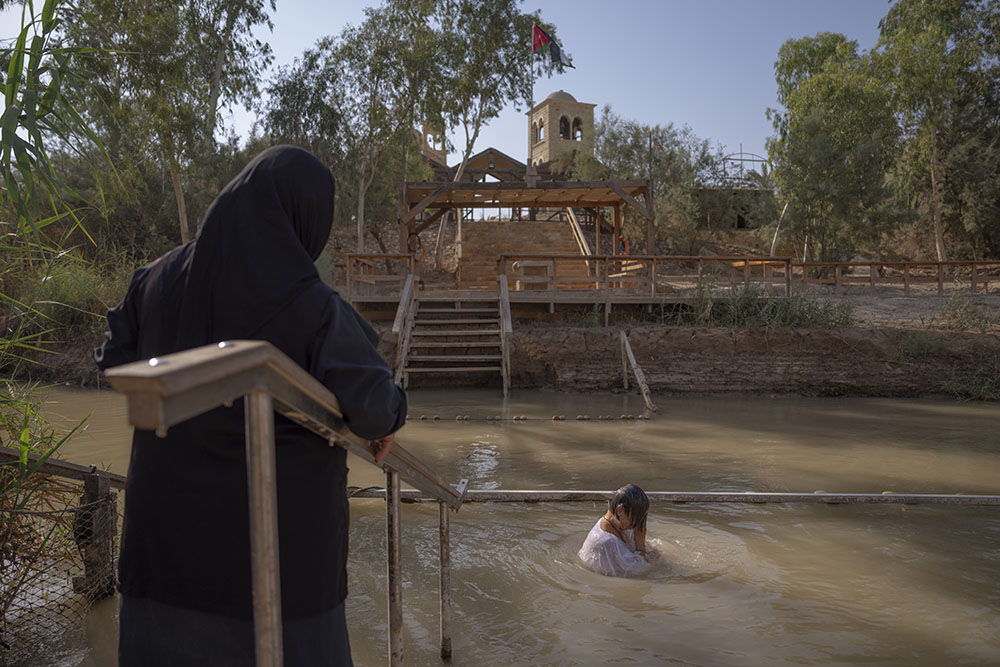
x: 380, y: 448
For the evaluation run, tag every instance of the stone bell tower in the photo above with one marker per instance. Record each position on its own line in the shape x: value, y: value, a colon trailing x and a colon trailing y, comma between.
x: 559, y: 126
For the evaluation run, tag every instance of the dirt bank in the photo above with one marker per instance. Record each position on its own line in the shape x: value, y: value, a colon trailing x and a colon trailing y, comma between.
x: 802, y: 362
x: 872, y: 361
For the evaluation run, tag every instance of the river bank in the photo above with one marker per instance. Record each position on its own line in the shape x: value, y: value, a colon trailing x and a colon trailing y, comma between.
x: 889, y: 355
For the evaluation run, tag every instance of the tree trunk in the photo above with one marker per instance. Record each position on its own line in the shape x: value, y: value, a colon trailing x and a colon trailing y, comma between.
x: 942, y: 254
x: 361, y: 213
x: 220, y: 61
x: 181, y: 208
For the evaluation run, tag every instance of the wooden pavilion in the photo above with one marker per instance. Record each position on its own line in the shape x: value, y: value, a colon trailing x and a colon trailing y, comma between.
x: 425, y: 203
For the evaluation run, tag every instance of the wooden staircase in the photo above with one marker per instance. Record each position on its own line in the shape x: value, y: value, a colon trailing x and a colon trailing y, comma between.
x: 451, y: 335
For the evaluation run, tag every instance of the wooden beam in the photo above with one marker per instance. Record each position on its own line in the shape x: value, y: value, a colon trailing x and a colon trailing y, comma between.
x: 431, y: 220
x: 61, y: 468
x: 424, y: 203
x: 630, y: 200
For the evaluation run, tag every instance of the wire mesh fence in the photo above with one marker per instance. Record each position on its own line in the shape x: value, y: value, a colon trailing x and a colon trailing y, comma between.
x: 56, y: 559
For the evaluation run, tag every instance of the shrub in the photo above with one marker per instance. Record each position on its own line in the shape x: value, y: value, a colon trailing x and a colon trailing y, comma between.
x: 755, y: 308
x: 963, y: 314
x: 922, y: 345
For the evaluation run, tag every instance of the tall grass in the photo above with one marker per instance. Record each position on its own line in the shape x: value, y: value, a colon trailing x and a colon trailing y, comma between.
x: 42, y: 287
x: 753, y: 307
x: 962, y: 314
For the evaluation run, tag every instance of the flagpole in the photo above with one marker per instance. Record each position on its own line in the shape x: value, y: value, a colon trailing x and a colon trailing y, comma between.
x: 531, y: 101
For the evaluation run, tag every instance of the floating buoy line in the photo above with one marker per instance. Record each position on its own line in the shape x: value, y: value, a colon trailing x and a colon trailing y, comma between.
x: 524, y: 418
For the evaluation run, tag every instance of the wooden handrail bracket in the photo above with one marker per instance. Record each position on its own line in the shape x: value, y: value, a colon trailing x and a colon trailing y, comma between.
x: 167, y: 390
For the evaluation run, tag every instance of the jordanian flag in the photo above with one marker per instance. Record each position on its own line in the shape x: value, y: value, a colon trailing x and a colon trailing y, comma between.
x: 542, y: 43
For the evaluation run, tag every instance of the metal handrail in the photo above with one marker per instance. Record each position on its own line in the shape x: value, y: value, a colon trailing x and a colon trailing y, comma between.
x: 165, y: 391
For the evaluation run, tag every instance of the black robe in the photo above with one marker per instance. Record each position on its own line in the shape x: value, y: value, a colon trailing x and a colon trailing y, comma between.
x: 249, y: 274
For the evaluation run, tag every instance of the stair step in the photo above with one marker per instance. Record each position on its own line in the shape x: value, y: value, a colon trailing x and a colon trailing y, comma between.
x: 455, y: 357
x: 486, y: 298
x: 466, y: 344
x: 456, y: 369
x: 494, y: 320
x: 466, y: 332
x: 463, y: 311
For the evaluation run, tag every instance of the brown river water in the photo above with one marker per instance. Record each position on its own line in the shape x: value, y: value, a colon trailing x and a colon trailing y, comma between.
x: 732, y: 585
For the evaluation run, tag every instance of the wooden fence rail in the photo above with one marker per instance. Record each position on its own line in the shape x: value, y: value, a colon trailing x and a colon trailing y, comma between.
x: 658, y: 276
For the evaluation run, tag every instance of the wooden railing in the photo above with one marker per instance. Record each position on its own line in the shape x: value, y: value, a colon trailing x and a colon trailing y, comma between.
x: 506, y: 328
x: 639, y: 274
x: 165, y: 391
x: 653, y: 275
x: 581, y: 240
x: 403, y: 324
x: 905, y: 274
x: 377, y: 275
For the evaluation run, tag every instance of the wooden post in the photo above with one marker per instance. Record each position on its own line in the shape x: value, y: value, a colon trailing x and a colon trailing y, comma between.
x: 617, y: 228
x: 940, y: 276
x: 746, y: 273
x: 350, y: 279
x: 652, y: 277
x: 624, y: 363
x: 607, y: 292
x: 445, y: 582
x: 838, y: 289
x: 94, y: 527
x: 906, y: 279
x: 597, y: 231
x: 394, y: 576
x: 788, y: 277
x: 972, y: 286
x: 264, y: 564
x: 871, y: 277
x: 553, y: 282
x: 640, y: 378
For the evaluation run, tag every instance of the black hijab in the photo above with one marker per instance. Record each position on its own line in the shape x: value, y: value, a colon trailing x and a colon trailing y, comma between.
x: 256, y: 247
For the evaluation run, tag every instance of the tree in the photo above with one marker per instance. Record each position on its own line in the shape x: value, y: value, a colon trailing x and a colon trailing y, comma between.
x: 677, y: 161
x: 486, y: 57
x: 834, y: 146
x: 302, y: 106
x: 158, y: 93
x: 378, y: 96
x: 924, y: 48
x: 832, y: 162
x: 799, y: 59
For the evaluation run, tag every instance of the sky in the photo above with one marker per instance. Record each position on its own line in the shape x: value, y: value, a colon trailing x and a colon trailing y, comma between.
x: 705, y: 64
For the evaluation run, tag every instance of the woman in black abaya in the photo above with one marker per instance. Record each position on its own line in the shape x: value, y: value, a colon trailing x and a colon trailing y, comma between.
x: 185, y: 559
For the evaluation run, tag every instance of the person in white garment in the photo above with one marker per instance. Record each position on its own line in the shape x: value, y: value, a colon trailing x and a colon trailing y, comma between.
x: 616, y: 545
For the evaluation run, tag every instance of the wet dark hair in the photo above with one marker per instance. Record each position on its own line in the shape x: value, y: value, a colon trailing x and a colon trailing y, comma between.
x: 635, y: 502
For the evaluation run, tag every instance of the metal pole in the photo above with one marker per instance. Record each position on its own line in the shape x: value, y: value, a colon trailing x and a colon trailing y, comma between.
x: 394, y: 578
x: 263, y: 491
x: 445, y: 583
